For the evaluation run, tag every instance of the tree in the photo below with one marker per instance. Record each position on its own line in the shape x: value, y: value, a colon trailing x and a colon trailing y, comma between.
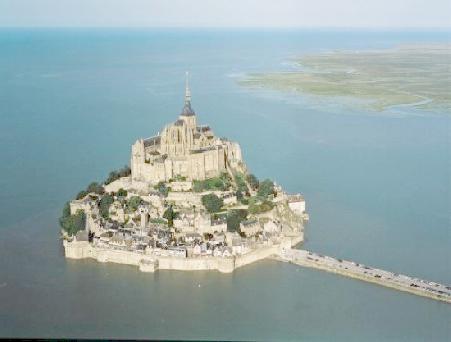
x: 212, y: 203
x: 220, y: 183
x: 208, y: 236
x: 96, y: 188
x: 253, y: 181
x: 122, y: 193
x: 169, y: 214
x: 240, y: 182
x: 125, y: 171
x: 134, y: 202
x: 72, y: 223
x: 162, y: 188
x: 104, y: 206
x: 265, y: 188
x: 66, y: 210
x: 245, y: 201
x: 257, y: 208
x: 234, y: 218
x: 65, y: 214
x: 114, y: 175
x: 81, y: 194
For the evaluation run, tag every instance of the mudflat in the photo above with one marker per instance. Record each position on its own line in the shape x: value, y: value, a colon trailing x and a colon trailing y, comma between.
x: 412, y: 75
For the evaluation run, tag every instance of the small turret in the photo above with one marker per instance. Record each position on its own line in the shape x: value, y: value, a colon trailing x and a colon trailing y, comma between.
x: 144, y: 212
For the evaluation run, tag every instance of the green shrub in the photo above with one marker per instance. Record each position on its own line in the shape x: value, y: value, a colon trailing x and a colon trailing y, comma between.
x: 245, y: 201
x: 114, y: 175
x: 220, y: 183
x: 72, y: 223
x: 169, y: 214
x: 208, y: 236
x: 96, y: 188
x: 93, y: 187
x: 178, y: 178
x: 134, y: 202
x: 162, y: 188
x: 122, y: 193
x: 253, y: 181
x: 256, y: 207
x: 198, y: 186
x: 104, y: 205
x: 157, y: 220
x: 212, y: 203
x: 125, y: 171
x: 265, y: 188
x: 234, y: 218
x: 240, y: 182
x: 81, y: 194
x: 66, y: 211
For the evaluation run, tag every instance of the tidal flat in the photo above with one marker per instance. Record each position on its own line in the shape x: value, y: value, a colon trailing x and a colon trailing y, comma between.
x: 408, y: 75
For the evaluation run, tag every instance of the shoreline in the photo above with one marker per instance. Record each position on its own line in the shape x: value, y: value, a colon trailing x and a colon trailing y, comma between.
x: 282, y: 252
x: 152, y: 263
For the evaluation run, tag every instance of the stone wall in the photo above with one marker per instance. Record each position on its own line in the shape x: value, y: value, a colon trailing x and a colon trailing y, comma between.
x: 79, y: 205
x: 255, y: 255
x: 185, y: 198
x: 124, y: 183
x: 181, y: 186
x: 149, y: 263
x: 225, y: 265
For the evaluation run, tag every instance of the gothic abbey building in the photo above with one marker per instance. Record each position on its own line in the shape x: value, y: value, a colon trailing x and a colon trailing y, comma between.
x: 184, y: 149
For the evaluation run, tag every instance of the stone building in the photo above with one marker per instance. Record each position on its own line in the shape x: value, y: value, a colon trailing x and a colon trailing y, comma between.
x: 183, y: 150
x: 250, y: 227
x: 296, y: 203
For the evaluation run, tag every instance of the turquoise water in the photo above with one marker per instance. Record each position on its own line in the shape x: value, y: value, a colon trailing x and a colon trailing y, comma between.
x: 377, y: 187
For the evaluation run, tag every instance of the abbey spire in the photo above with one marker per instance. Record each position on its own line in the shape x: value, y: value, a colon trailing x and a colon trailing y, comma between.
x: 187, y: 110
x: 187, y: 90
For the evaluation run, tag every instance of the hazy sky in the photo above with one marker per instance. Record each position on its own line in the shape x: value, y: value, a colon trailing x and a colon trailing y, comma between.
x: 223, y: 13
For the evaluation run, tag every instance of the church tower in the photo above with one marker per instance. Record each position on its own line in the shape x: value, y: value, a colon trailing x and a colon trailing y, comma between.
x: 188, y: 115
x: 177, y: 139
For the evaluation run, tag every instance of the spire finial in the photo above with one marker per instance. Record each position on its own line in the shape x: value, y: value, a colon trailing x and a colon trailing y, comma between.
x: 187, y: 91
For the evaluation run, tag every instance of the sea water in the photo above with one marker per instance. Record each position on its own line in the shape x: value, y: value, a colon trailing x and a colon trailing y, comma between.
x: 377, y: 187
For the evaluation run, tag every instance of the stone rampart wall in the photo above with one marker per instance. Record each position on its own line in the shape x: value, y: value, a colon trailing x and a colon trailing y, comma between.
x: 255, y: 255
x: 148, y: 263
x: 225, y: 265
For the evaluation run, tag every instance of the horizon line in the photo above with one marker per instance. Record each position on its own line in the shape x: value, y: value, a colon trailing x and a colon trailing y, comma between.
x: 375, y: 28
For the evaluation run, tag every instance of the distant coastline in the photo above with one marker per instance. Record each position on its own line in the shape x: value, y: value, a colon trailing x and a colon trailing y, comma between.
x: 376, y: 80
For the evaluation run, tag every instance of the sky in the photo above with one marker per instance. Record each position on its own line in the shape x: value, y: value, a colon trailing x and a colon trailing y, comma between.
x: 227, y: 13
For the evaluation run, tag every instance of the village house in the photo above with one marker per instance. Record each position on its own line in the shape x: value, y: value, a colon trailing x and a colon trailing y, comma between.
x: 250, y: 227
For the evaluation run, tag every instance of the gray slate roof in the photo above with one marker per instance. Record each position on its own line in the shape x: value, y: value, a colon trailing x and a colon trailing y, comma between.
x: 187, y: 110
x: 152, y: 141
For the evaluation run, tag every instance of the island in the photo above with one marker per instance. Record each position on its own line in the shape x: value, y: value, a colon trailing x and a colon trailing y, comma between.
x: 410, y: 75
x: 187, y: 202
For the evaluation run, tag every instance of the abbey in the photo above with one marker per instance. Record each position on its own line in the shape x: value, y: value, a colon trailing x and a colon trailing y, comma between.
x: 184, y: 149
x: 187, y: 202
